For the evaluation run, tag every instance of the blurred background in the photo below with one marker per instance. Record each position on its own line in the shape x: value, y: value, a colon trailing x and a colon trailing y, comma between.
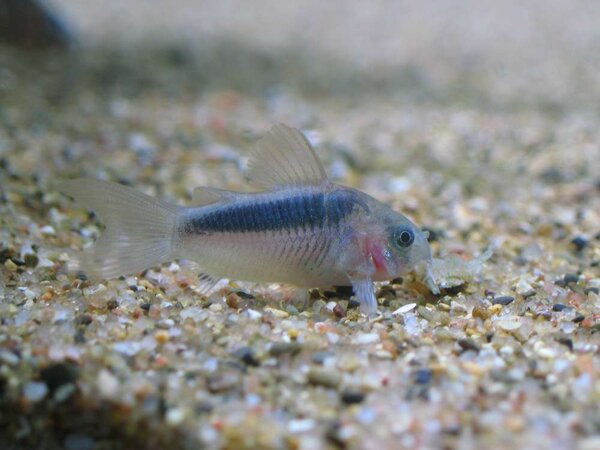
x: 504, y: 53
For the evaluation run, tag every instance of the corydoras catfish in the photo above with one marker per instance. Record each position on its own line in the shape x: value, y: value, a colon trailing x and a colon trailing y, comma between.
x: 301, y: 229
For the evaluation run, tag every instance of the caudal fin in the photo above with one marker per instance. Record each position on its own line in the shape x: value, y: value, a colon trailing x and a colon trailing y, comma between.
x: 139, y: 229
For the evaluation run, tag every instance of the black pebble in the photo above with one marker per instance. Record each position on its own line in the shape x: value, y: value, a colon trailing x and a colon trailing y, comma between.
x: 330, y: 294
x: 423, y: 376
x: 112, y: 304
x: 352, y: 397
x: 5, y: 254
x: 247, y: 356
x: 571, y: 278
x: 84, y: 320
x: 320, y: 357
x: 146, y: 306
x: 557, y: 307
x: 567, y: 342
x: 453, y: 290
x: 31, y: 260
x: 579, y: 242
x: 579, y: 318
x: 79, y: 442
x: 468, y: 344
x: 79, y: 337
x: 353, y: 304
x: 434, y: 235
x: 503, y: 300
x: 333, y: 435
x: 344, y: 291
x: 203, y: 407
x: 55, y: 375
x: 595, y: 290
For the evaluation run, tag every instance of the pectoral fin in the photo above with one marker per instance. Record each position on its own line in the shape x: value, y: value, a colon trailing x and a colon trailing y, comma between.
x: 364, y: 290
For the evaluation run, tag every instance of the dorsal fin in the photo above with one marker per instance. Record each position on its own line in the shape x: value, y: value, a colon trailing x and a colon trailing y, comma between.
x: 284, y: 157
x: 206, y: 195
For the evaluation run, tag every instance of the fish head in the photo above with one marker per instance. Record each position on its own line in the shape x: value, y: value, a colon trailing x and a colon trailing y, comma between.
x: 406, y: 249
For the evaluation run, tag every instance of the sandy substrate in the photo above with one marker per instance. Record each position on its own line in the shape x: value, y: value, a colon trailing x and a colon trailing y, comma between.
x: 506, y: 357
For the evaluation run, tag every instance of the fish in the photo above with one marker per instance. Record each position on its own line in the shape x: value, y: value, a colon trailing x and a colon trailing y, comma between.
x: 300, y: 228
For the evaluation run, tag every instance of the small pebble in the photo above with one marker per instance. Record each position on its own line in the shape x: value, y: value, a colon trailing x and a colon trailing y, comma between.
x: 423, y: 376
x: 233, y: 300
x: 524, y: 288
x: 557, y: 307
x: 568, y: 342
x: 352, y: 304
x: 300, y: 425
x: 292, y: 310
x: 252, y: 314
x: 282, y: 348
x: 481, y: 313
x: 245, y: 295
x: 79, y: 442
x: 31, y: 260
x: 468, y: 344
x: 108, y: 384
x: 503, y: 300
x: 320, y: 357
x: 34, y: 391
x: 338, y: 311
x: 8, y: 357
x: 351, y: 397
x: 280, y: 314
x: 48, y: 230
x: 64, y: 392
x: 579, y: 242
x: 405, y: 308
x: 161, y: 336
x: 175, y: 416
x: 247, y: 356
x: 216, y: 307
x: 223, y: 382
x: 324, y: 377
x: 367, y: 338
x: 10, y: 265
x: 571, y: 278
x: 509, y: 323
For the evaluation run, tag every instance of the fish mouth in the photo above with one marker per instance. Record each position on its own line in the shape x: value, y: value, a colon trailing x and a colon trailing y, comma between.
x: 424, y: 269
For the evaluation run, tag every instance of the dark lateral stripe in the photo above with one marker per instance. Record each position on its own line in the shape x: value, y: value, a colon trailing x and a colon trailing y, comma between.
x: 305, y: 211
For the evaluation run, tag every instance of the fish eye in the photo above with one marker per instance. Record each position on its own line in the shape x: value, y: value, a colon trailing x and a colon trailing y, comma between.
x: 404, y: 238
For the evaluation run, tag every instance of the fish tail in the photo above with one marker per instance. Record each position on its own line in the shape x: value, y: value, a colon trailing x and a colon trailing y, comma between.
x: 139, y: 234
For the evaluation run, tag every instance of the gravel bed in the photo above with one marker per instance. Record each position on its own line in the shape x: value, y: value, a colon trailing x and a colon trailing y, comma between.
x: 506, y: 357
